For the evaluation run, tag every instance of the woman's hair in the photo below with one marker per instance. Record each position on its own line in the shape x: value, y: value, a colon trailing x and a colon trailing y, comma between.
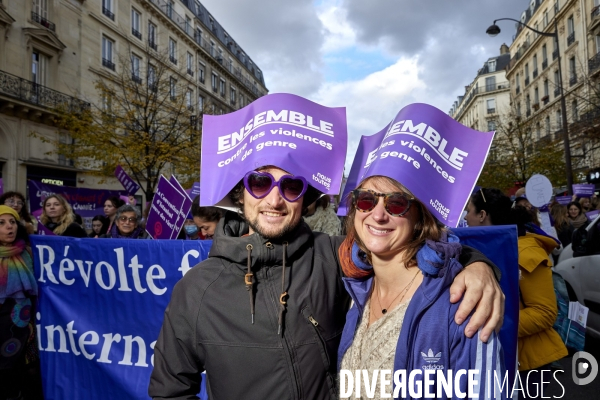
x: 495, y: 203
x: 576, y: 204
x: 116, y: 201
x: 105, y: 223
x: 66, y: 219
x: 209, y: 214
x: 520, y: 216
x: 427, y: 227
x: 128, y: 208
x: 24, y: 213
x: 583, y: 199
x: 560, y: 215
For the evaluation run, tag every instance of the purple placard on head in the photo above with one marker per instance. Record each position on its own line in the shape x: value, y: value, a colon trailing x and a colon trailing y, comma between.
x: 432, y: 155
x: 564, y: 200
x: 584, y: 189
x: 283, y: 130
x: 194, y: 190
x: 129, y: 184
x: 164, y: 210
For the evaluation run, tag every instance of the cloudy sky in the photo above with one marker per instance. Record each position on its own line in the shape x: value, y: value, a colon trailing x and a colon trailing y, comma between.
x: 371, y: 56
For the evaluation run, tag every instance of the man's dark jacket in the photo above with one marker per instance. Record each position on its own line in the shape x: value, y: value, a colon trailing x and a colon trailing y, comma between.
x: 208, y: 325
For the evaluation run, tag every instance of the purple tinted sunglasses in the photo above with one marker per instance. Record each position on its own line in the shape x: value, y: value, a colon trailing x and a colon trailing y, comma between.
x: 260, y: 184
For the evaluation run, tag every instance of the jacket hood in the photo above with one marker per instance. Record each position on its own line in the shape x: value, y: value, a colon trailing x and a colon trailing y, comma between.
x: 231, y: 242
x: 546, y: 242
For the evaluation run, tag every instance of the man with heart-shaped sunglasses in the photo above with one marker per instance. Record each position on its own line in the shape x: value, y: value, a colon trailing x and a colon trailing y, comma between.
x: 263, y: 315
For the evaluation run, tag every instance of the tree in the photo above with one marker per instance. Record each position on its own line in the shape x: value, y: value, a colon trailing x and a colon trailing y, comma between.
x: 148, y: 126
x: 519, y: 151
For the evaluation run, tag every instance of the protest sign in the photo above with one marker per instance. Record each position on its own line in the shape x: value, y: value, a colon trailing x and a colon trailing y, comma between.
x: 592, y: 215
x: 165, y: 211
x: 101, y: 306
x: 194, y: 190
x: 187, y: 203
x: 564, y: 200
x: 432, y: 155
x: 284, y: 130
x: 539, y: 190
x: 129, y: 184
x: 583, y: 189
x: 85, y: 202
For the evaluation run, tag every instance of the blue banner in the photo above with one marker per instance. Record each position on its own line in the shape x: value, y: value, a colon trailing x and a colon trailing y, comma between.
x: 101, y: 306
x: 102, y: 302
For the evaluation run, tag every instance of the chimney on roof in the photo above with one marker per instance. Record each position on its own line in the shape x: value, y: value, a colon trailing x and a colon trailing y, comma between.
x: 504, y: 49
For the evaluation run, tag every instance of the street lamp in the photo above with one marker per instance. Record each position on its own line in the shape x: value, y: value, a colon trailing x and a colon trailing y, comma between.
x: 494, y: 30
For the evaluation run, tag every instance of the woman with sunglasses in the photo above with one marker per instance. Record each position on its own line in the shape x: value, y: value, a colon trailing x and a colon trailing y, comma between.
x: 126, y: 225
x: 400, y: 261
x: 16, y: 201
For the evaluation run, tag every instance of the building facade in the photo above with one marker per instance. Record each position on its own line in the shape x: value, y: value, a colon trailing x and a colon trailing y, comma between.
x: 487, y: 98
x: 53, y: 51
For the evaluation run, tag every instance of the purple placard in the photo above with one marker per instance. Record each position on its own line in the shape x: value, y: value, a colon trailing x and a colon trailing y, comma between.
x: 284, y: 130
x: 129, y: 184
x: 164, y: 210
x: 564, y: 200
x: 592, y: 215
x: 194, y: 191
x: 434, y: 156
x: 85, y: 202
x: 584, y: 189
x: 186, y: 206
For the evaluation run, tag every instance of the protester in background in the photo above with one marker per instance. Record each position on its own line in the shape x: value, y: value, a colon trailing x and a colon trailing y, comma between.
x: 57, y: 215
x: 521, y: 199
x: 190, y: 230
x: 577, y: 216
x: 111, y: 205
x: 488, y: 207
x: 586, y: 204
x: 99, y: 226
x: 206, y: 218
x: 17, y: 201
x: 321, y: 217
x: 19, y: 362
x: 126, y: 224
x: 562, y: 223
x: 79, y: 220
x: 400, y: 262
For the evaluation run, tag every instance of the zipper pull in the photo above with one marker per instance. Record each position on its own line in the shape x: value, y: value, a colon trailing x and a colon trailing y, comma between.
x: 313, y: 321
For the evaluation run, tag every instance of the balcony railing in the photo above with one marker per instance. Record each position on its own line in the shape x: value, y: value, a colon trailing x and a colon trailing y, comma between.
x: 136, y: 33
x: 491, y: 110
x: 545, y: 99
x: 31, y: 92
x: 544, y: 64
x: 152, y: 45
x: 136, y: 78
x: 526, y: 81
x: 173, y: 59
x: 108, y: 13
x: 554, y: 55
x: 232, y: 102
x: 570, y: 39
x: 594, y: 63
x: 190, y: 72
x: 535, y: 73
x: 518, y: 90
x: 108, y: 64
x: 43, y: 21
x: 556, y: 92
x: 573, y: 80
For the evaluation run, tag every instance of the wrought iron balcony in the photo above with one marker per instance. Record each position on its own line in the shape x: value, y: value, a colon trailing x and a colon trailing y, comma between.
x: 528, y: 113
x: 190, y: 72
x: 518, y: 90
x: 545, y: 99
x: 526, y: 81
x: 570, y: 39
x: 153, y: 87
x: 31, y: 92
x: 535, y: 73
x: 491, y: 110
x: 173, y: 59
x: 554, y: 55
x: 556, y: 92
x: 43, y: 21
x: 152, y: 45
x: 232, y: 101
x: 594, y: 62
x: 215, y: 89
x: 136, y: 78
x: 108, y: 13
x: 136, y: 33
x: 108, y: 64
x: 573, y: 80
x: 544, y: 64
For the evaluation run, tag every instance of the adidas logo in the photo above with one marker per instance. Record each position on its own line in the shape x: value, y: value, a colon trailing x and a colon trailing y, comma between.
x: 430, y: 357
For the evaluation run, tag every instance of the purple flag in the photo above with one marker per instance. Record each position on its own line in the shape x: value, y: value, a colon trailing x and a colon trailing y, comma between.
x: 564, y: 200
x: 165, y: 210
x: 434, y: 156
x: 583, y: 189
x: 284, y: 130
x: 129, y: 184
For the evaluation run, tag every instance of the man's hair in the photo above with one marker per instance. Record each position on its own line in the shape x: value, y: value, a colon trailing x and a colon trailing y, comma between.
x: 495, y: 203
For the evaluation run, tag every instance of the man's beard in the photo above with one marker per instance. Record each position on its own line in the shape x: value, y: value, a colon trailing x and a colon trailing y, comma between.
x: 283, y: 231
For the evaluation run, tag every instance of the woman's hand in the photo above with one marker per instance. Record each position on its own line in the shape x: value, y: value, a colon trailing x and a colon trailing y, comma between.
x: 481, y: 292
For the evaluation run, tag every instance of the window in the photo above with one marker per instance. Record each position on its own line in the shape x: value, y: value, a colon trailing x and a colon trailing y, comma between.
x: 490, y: 83
x: 518, y: 79
x: 572, y: 71
x: 556, y: 83
x: 535, y: 63
x: 214, y: 82
x: 170, y: 9
x: 547, y: 125
x: 152, y: 78
x: 546, y: 88
x: 201, y: 72
x: 546, y: 18
x: 491, y: 106
x: 190, y: 64
x: 212, y: 49
x: 152, y: 35
x: 528, y: 105
x: 491, y: 66
x: 38, y: 68
x: 198, y: 36
x: 544, y: 54
x: 201, y: 103
x: 173, y: 88
x: 188, y: 99
x: 232, y: 95
x: 526, y: 70
x: 491, y: 125
x: 597, y: 44
x: 173, y: 51
x: 537, y: 28
x: 574, y: 111
x: 135, y: 69
x: 536, y: 96
x: 107, y: 9
x: 135, y: 24
x: 107, y: 53
x: 570, y: 25
x: 188, y: 24
x: 40, y: 7
x: 242, y: 101
x: 558, y: 119
x: 222, y: 87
